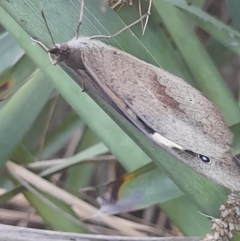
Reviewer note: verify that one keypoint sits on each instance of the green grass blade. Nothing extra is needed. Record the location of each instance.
(20, 112)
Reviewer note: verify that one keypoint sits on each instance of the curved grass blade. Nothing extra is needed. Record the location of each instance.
(218, 30)
(10, 52)
(136, 190)
(23, 107)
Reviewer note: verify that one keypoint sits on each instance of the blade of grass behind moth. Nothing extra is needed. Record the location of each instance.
(136, 190)
(32, 138)
(86, 210)
(44, 164)
(12, 233)
(186, 217)
(218, 30)
(94, 150)
(79, 176)
(196, 3)
(219, 53)
(187, 220)
(57, 137)
(45, 127)
(49, 207)
(201, 66)
(133, 182)
(98, 149)
(18, 108)
(9, 51)
(227, 37)
(146, 186)
(22, 155)
(233, 7)
(13, 78)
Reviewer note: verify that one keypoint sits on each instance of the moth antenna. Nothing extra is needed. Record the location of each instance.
(80, 19)
(123, 29)
(149, 13)
(140, 12)
(34, 74)
(45, 21)
(35, 40)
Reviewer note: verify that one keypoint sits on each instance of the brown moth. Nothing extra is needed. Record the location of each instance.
(164, 107)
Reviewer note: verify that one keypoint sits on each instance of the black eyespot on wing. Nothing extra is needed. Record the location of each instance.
(205, 159)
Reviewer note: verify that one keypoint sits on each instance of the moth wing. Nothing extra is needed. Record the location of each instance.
(164, 102)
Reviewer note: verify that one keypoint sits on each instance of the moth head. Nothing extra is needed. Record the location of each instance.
(59, 53)
(56, 54)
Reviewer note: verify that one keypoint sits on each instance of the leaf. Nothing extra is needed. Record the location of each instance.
(218, 30)
(22, 155)
(233, 7)
(84, 209)
(79, 176)
(10, 52)
(136, 190)
(20, 112)
(56, 138)
(97, 149)
(12, 79)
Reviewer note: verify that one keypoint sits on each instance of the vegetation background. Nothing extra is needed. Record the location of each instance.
(55, 140)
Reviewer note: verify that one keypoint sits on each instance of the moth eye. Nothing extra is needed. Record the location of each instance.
(63, 47)
(205, 159)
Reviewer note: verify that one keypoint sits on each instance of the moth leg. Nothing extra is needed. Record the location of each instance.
(229, 221)
(147, 17)
(83, 86)
(140, 13)
(123, 29)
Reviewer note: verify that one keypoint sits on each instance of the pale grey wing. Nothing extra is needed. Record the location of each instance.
(92, 81)
(164, 102)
